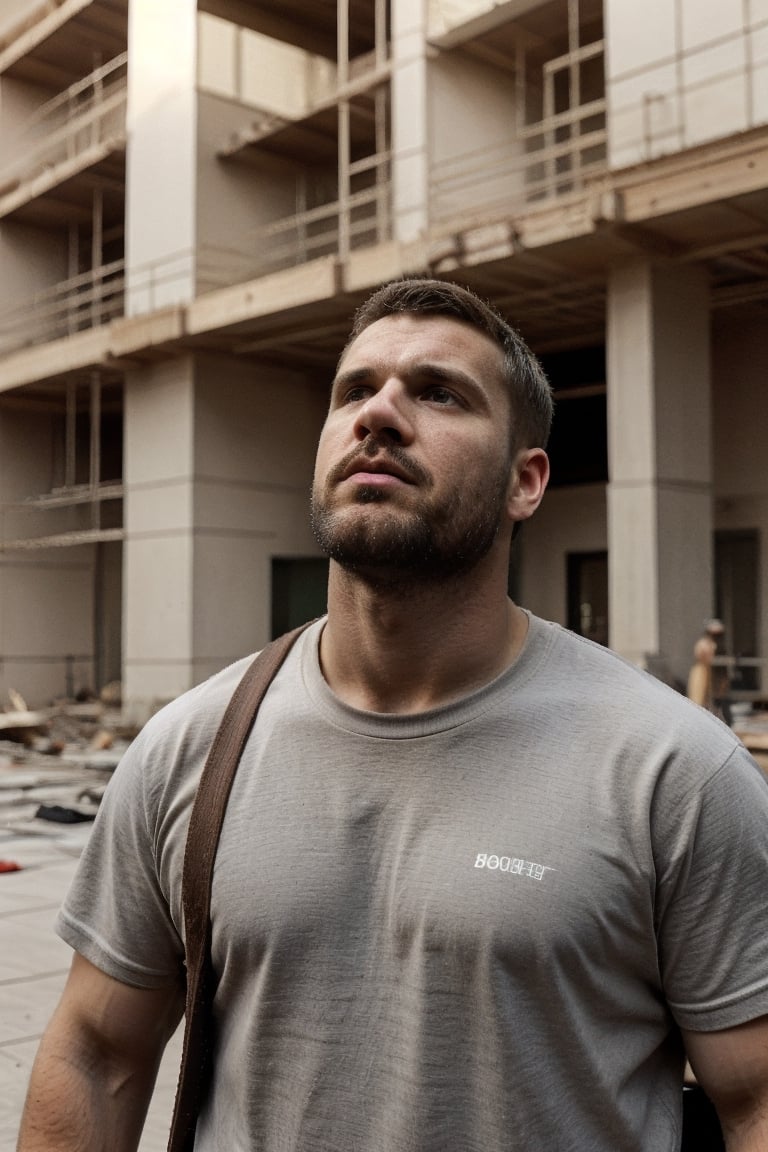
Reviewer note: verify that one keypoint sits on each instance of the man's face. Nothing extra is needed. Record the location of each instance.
(414, 460)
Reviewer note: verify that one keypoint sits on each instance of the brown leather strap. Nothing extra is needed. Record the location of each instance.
(200, 853)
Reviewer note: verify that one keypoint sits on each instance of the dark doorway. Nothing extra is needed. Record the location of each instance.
(587, 583)
(737, 580)
(299, 591)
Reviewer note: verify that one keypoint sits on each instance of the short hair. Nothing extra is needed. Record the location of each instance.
(527, 386)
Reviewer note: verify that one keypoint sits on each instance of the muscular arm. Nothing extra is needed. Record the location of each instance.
(732, 1068)
(96, 1066)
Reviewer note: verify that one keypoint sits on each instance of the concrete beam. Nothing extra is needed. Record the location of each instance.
(59, 357)
(277, 292)
(131, 337)
(63, 540)
(368, 267)
(694, 177)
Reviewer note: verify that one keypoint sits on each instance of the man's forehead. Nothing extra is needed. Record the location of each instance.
(403, 330)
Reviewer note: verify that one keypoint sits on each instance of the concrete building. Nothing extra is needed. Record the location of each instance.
(193, 198)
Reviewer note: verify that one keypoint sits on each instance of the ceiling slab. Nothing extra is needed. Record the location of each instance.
(307, 24)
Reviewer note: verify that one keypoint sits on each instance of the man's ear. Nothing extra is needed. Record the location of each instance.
(527, 483)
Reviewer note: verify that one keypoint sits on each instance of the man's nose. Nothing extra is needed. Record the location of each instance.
(385, 413)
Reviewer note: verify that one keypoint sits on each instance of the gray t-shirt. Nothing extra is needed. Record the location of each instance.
(475, 928)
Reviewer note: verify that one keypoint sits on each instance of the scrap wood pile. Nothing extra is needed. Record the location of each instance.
(55, 763)
(49, 730)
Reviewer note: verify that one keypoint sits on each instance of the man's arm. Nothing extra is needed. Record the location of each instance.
(96, 1066)
(732, 1068)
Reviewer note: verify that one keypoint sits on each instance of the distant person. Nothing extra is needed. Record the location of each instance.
(699, 688)
(708, 683)
(482, 884)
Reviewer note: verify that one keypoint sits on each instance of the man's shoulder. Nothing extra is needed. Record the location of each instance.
(599, 679)
(199, 708)
(572, 653)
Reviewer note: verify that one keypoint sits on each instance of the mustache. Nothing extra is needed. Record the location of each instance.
(383, 451)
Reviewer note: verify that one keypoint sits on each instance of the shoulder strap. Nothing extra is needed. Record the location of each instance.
(199, 855)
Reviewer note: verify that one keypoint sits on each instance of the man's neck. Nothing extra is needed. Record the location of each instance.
(406, 650)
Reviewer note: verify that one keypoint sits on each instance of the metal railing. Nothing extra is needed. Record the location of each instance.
(96, 297)
(514, 174)
(550, 156)
(84, 301)
(89, 113)
(364, 218)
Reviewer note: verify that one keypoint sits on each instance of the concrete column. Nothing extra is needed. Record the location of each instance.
(161, 154)
(159, 540)
(218, 465)
(410, 128)
(660, 516)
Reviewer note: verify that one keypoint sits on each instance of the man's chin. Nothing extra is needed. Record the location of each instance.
(369, 527)
(384, 551)
(385, 544)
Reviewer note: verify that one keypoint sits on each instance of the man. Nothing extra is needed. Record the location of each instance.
(708, 685)
(721, 679)
(481, 885)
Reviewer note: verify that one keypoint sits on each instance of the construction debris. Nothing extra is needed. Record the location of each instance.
(18, 703)
(112, 694)
(55, 764)
(58, 814)
(102, 740)
(20, 725)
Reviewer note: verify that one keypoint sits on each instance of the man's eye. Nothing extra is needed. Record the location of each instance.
(355, 395)
(439, 395)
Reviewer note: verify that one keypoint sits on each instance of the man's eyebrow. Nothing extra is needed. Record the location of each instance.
(442, 373)
(446, 374)
(352, 376)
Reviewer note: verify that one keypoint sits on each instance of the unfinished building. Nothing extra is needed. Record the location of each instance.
(194, 197)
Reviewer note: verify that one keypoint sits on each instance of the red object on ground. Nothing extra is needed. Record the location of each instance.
(9, 866)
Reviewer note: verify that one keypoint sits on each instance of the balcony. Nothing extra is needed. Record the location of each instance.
(549, 136)
(84, 301)
(78, 130)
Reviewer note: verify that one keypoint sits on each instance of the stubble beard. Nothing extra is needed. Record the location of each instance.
(391, 545)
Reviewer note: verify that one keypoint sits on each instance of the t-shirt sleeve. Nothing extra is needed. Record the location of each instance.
(711, 893)
(116, 913)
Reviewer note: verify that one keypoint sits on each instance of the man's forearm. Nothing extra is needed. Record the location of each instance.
(77, 1102)
(750, 1134)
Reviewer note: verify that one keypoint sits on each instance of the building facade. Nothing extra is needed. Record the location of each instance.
(195, 196)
